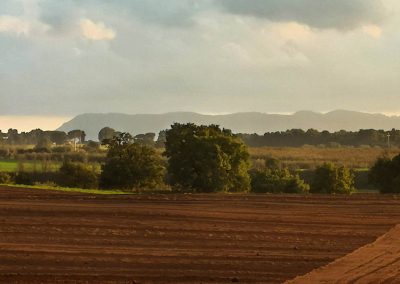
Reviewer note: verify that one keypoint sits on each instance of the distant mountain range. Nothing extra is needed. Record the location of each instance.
(248, 122)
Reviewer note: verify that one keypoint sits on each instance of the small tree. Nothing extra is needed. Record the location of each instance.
(43, 144)
(331, 179)
(385, 174)
(145, 139)
(4, 178)
(106, 133)
(76, 175)
(131, 165)
(77, 134)
(206, 159)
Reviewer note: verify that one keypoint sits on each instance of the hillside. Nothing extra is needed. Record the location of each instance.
(250, 122)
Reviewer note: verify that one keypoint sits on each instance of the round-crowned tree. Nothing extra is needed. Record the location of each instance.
(385, 174)
(131, 165)
(331, 179)
(206, 159)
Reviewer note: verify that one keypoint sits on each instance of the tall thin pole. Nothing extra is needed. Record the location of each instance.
(388, 140)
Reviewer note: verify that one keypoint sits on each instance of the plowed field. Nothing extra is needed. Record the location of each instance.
(375, 263)
(54, 237)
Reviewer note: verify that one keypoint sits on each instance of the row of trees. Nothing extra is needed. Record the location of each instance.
(289, 138)
(299, 137)
(41, 138)
(207, 159)
(210, 159)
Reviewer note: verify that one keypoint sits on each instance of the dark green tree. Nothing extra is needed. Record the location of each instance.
(43, 144)
(277, 181)
(77, 134)
(77, 175)
(145, 139)
(385, 174)
(58, 137)
(106, 133)
(160, 143)
(331, 179)
(131, 165)
(206, 159)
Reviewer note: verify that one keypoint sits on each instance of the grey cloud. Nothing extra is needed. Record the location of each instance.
(58, 14)
(172, 13)
(11, 7)
(337, 14)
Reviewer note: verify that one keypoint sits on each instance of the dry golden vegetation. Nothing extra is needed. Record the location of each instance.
(309, 157)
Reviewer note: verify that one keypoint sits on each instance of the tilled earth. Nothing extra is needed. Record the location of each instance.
(54, 237)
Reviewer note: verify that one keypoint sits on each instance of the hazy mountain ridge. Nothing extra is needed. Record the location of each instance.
(246, 122)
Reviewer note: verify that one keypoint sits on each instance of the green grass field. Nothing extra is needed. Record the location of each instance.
(8, 166)
(67, 189)
(29, 166)
(11, 166)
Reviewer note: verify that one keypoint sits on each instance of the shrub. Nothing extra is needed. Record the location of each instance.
(277, 181)
(76, 175)
(4, 178)
(23, 178)
(331, 179)
(61, 149)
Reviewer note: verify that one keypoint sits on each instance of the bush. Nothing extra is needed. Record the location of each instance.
(385, 174)
(331, 179)
(61, 149)
(23, 178)
(277, 181)
(4, 178)
(206, 159)
(131, 165)
(76, 175)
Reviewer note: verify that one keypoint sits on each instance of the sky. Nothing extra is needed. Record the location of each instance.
(59, 59)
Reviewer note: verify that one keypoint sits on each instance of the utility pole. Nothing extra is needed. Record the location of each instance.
(388, 140)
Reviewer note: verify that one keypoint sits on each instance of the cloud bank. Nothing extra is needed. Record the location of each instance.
(324, 14)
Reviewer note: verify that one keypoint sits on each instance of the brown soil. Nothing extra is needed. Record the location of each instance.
(53, 237)
(374, 263)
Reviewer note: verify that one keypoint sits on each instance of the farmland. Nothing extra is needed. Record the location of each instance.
(306, 157)
(71, 237)
(309, 156)
(30, 166)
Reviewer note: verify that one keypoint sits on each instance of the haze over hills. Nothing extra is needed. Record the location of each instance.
(248, 122)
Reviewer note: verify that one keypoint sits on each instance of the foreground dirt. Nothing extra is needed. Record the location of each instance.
(53, 237)
(375, 263)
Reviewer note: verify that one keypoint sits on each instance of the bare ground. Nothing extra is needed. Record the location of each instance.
(378, 262)
(54, 237)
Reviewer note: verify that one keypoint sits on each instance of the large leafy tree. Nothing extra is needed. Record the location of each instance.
(206, 159)
(131, 165)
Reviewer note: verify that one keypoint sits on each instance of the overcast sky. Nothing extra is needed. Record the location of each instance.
(62, 58)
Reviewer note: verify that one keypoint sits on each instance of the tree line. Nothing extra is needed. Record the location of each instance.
(195, 159)
(288, 138)
(299, 137)
(205, 159)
